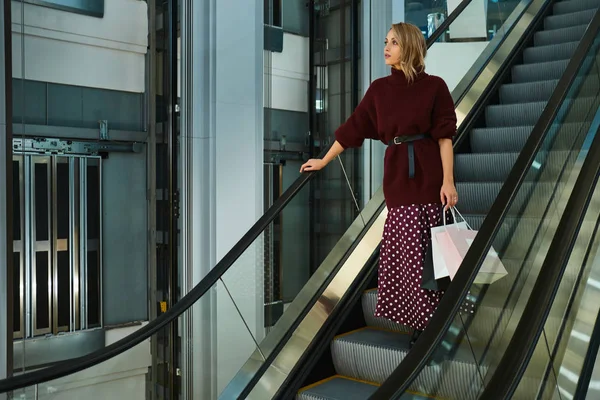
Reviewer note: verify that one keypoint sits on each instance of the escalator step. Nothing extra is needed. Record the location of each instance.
(483, 167)
(369, 300)
(539, 71)
(372, 354)
(540, 54)
(568, 20)
(512, 139)
(513, 93)
(498, 140)
(566, 7)
(337, 387)
(562, 35)
(343, 388)
(369, 354)
(504, 115)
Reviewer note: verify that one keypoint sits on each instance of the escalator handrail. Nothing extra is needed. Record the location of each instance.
(71, 366)
(431, 338)
(513, 363)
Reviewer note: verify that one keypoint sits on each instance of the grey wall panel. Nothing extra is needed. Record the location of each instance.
(125, 237)
(42, 103)
(295, 17)
(122, 110)
(64, 105)
(29, 102)
(292, 124)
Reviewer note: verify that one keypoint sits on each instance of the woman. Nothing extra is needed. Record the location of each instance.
(413, 113)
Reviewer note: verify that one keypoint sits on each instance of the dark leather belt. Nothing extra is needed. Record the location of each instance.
(409, 139)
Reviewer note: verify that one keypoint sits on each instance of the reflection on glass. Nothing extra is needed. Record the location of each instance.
(490, 17)
(557, 366)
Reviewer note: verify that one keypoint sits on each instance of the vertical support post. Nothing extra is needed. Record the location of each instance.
(312, 130)
(354, 100)
(6, 217)
(151, 184)
(173, 190)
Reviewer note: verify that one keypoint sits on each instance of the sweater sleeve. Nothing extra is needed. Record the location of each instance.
(444, 116)
(361, 125)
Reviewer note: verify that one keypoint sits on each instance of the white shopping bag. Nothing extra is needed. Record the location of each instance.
(444, 256)
(454, 241)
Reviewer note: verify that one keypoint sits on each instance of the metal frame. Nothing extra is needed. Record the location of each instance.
(58, 245)
(77, 244)
(40, 246)
(82, 248)
(19, 247)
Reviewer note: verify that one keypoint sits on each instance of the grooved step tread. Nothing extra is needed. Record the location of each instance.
(340, 387)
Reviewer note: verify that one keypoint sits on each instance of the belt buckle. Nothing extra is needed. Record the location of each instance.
(399, 139)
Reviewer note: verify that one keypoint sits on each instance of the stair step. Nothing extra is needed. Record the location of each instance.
(539, 71)
(568, 20)
(567, 7)
(483, 167)
(499, 140)
(504, 115)
(539, 54)
(373, 354)
(337, 387)
(557, 36)
(514, 93)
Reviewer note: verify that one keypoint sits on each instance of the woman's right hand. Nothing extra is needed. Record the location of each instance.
(314, 164)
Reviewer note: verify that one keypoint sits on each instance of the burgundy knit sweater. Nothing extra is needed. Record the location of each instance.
(391, 107)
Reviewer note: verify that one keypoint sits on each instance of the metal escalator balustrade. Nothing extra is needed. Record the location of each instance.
(365, 358)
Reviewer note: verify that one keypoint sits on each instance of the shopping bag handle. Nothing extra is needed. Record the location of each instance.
(454, 211)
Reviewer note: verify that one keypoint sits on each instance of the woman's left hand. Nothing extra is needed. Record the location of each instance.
(448, 195)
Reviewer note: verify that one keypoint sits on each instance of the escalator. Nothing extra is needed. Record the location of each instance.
(361, 359)
(514, 160)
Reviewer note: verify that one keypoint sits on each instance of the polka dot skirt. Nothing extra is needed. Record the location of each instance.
(406, 235)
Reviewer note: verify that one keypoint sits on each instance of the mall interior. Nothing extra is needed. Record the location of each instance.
(158, 241)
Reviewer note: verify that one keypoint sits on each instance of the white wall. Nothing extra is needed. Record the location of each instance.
(286, 75)
(73, 49)
(121, 377)
(452, 61)
(222, 190)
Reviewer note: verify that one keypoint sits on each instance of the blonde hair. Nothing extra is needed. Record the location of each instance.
(413, 49)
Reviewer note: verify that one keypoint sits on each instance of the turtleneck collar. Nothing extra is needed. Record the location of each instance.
(398, 77)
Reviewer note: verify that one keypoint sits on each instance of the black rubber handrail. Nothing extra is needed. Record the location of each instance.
(401, 378)
(514, 362)
(589, 363)
(74, 365)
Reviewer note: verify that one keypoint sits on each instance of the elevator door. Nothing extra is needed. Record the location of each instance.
(57, 249)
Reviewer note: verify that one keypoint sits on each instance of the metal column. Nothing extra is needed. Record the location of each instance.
(6, 219)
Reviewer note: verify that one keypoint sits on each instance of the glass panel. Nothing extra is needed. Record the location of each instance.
(467, 45)
(560, 353)
(288, 243)
(521, 243)
(488, 17)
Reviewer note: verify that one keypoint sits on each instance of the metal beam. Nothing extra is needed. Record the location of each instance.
(6, 217)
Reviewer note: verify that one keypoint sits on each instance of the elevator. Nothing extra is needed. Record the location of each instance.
(57, 244)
